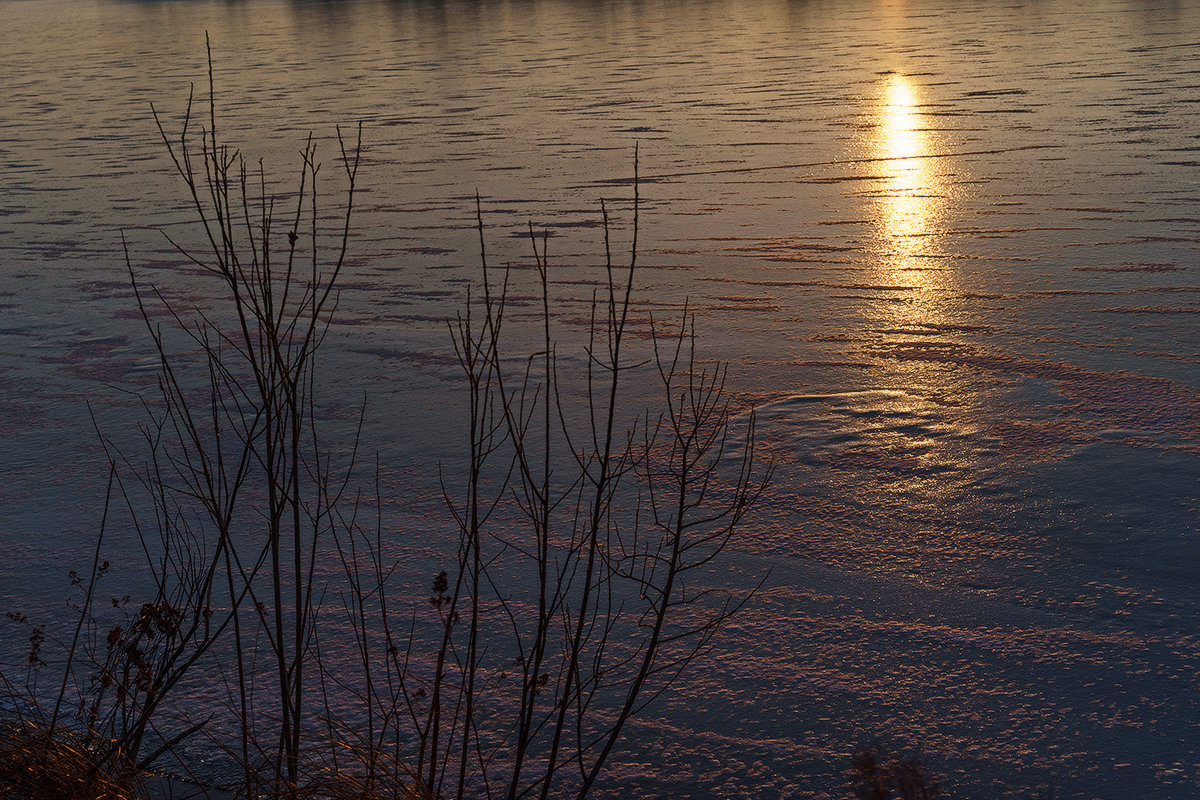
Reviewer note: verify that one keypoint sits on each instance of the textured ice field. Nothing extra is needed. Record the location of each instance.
(949, 249)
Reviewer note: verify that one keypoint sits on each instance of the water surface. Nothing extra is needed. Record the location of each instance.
(948, 248)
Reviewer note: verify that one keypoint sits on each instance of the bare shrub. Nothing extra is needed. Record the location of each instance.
(576, 595)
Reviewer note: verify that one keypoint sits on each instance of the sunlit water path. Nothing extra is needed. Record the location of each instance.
(949, 248)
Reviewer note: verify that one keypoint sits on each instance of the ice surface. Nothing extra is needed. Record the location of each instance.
(949, 249)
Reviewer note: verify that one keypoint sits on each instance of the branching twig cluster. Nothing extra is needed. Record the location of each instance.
(584, 521)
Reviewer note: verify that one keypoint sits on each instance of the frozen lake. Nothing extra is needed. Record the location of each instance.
(950, 250)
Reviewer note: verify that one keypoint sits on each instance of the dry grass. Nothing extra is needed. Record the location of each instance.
(879, 774)
(38, 765)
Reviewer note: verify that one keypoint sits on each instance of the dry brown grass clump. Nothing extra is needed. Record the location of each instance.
(38, 765)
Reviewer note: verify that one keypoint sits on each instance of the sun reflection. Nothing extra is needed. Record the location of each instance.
(912, 197)
(932, 456)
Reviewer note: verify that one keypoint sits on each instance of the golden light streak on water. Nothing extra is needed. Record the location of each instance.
(917, 277)
(912, 198)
